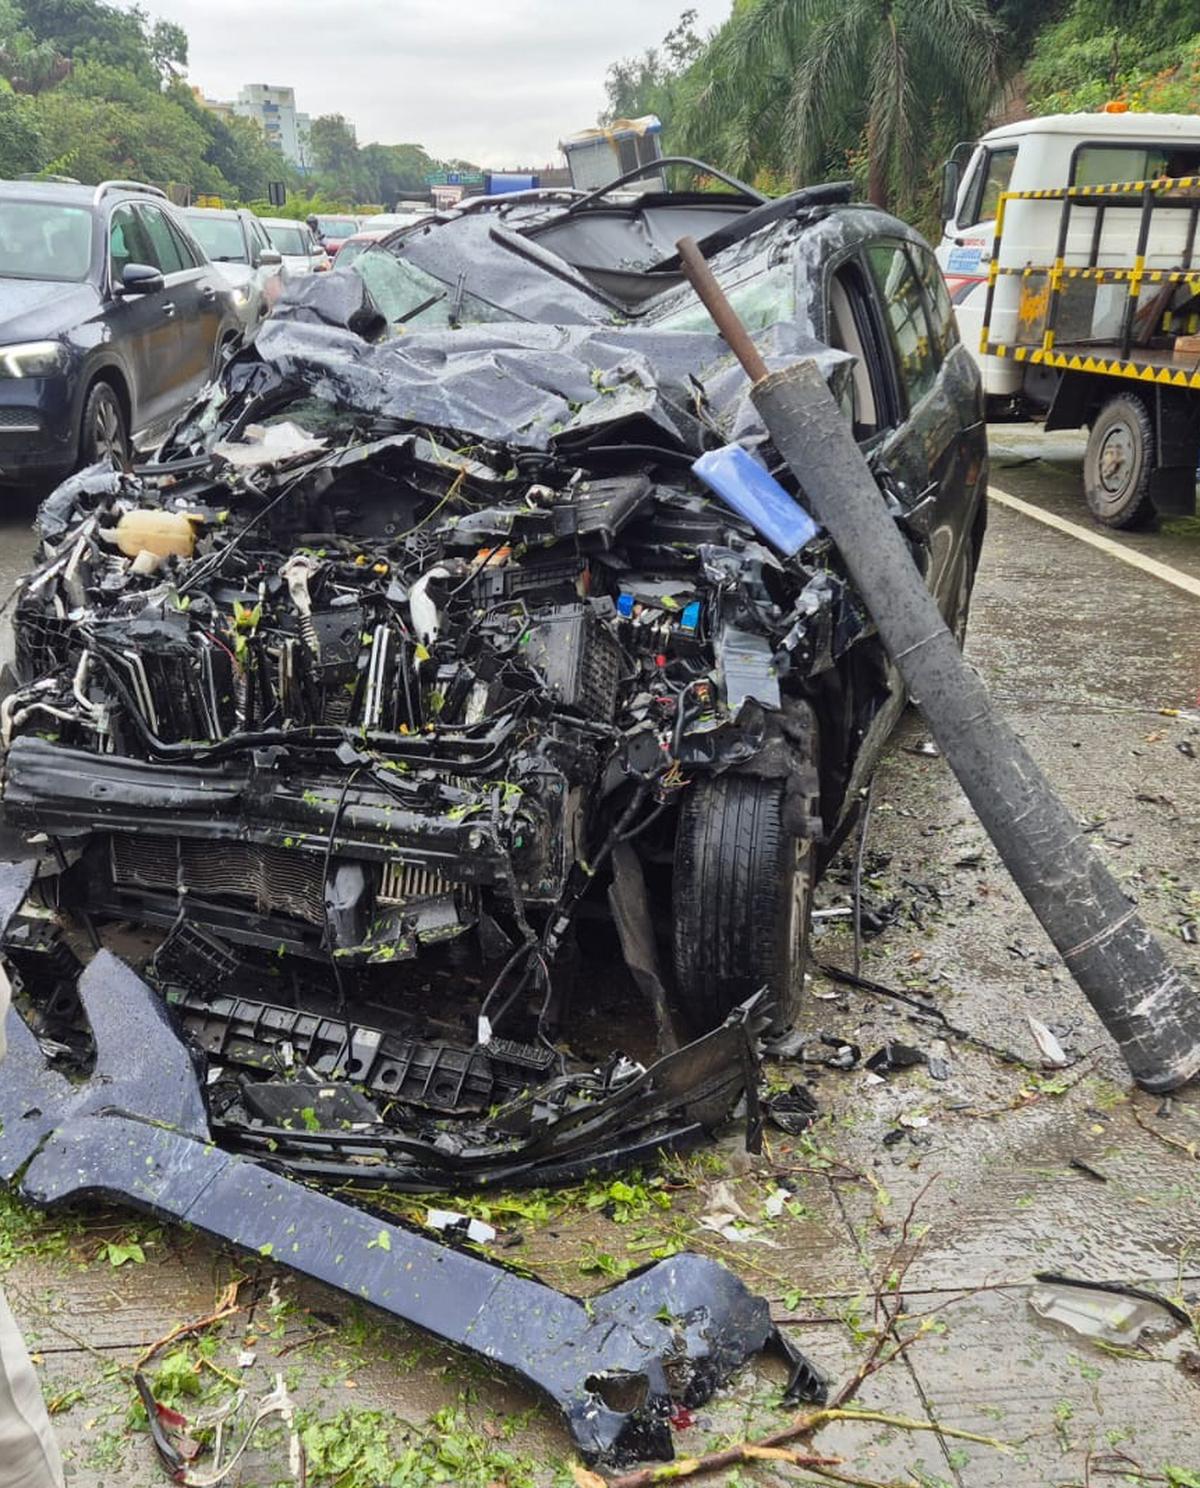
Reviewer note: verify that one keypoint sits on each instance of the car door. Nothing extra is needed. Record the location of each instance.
(196, 311)
(143, 326)
(936, 447)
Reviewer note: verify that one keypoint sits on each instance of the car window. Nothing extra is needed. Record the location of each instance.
(293, 240)
(937, 297)
(220, 237)
(864, 397)
(1099, 165)
(41, 240)
(126, 241)
(337, 227)
(191, 255)
(904, 311)
(258, 235)
(165, 254)
(350, 251)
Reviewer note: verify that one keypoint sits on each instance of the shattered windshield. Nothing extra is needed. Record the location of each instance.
(410, 295)
(761, 300)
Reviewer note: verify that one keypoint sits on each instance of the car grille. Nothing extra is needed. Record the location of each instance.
(405, 883)
(20, 421)
(287, 881)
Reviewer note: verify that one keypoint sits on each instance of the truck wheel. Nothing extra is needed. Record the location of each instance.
(1119, 462)
(742, 896)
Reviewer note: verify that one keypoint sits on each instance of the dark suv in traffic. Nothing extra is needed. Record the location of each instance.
(111, 319)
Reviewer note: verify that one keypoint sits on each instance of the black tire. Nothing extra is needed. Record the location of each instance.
(1119, 463)
(104, 432)
(742, 897)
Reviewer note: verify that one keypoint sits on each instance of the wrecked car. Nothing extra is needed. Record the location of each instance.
(421, 679)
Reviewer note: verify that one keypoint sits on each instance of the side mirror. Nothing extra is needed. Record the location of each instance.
(269, 258)
(951, 179)
(139, 279)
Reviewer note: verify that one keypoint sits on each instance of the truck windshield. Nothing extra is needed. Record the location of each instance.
(991, 178)
(39, 240)
(220, 237)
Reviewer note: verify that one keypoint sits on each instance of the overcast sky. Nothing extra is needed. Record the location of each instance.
(495, 81)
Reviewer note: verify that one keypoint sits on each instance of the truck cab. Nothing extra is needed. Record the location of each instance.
(1058, 150)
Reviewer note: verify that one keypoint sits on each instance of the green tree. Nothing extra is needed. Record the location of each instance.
(388, 172)
(91, 31)
(335, 148)
(22, 147)
(647, 84)
(168, 47)
(104, 122)
(801, 85)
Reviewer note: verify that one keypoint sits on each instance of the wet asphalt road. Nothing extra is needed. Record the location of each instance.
(1082, 653)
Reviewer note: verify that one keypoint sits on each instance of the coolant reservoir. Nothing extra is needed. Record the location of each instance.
(163, 533)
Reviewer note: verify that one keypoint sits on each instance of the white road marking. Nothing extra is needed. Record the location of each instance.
(1173, 576)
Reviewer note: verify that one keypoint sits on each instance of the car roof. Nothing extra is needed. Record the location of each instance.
(231, 214)
(73, 194)
(282, 222)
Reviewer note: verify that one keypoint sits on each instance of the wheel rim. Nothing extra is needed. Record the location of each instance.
(1115, 466)
(108, 442)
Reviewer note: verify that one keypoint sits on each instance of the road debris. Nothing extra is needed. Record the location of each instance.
(141, 1137)
(1107, 1311)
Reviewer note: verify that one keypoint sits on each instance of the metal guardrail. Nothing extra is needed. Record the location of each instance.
(1118, 357)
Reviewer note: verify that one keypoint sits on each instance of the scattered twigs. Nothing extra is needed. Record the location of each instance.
(769, 1447)
(227, 1305)
(1191, 1149)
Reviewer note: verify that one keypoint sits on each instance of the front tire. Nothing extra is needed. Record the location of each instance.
(1119, 463)
(742, 898)
(104, 435)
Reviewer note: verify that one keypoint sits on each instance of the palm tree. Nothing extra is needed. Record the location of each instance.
(813, 79)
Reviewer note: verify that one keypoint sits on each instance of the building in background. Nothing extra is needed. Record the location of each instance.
(274, 110)
(218, 106)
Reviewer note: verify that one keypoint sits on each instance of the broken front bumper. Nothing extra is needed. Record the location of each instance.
(268, 854)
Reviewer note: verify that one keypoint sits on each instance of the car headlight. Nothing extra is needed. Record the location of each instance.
(241, 297)
(33, 359)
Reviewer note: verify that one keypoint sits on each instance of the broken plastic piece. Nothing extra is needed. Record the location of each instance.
(1108, 1312)
(792, 1110)
(450, 1222)
(894, 1056)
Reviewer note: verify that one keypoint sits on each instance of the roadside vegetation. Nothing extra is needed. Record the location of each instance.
(97, 91)
(879, 91)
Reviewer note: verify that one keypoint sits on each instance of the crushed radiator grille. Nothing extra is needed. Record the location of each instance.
(405, 883)
(274, 878)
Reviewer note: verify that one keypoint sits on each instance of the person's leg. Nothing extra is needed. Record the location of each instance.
(28, 1452)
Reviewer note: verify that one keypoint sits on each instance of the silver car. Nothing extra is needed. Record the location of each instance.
(237, 242)
(302, 254)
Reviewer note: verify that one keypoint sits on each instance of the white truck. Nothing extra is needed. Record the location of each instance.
(1068, 249)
